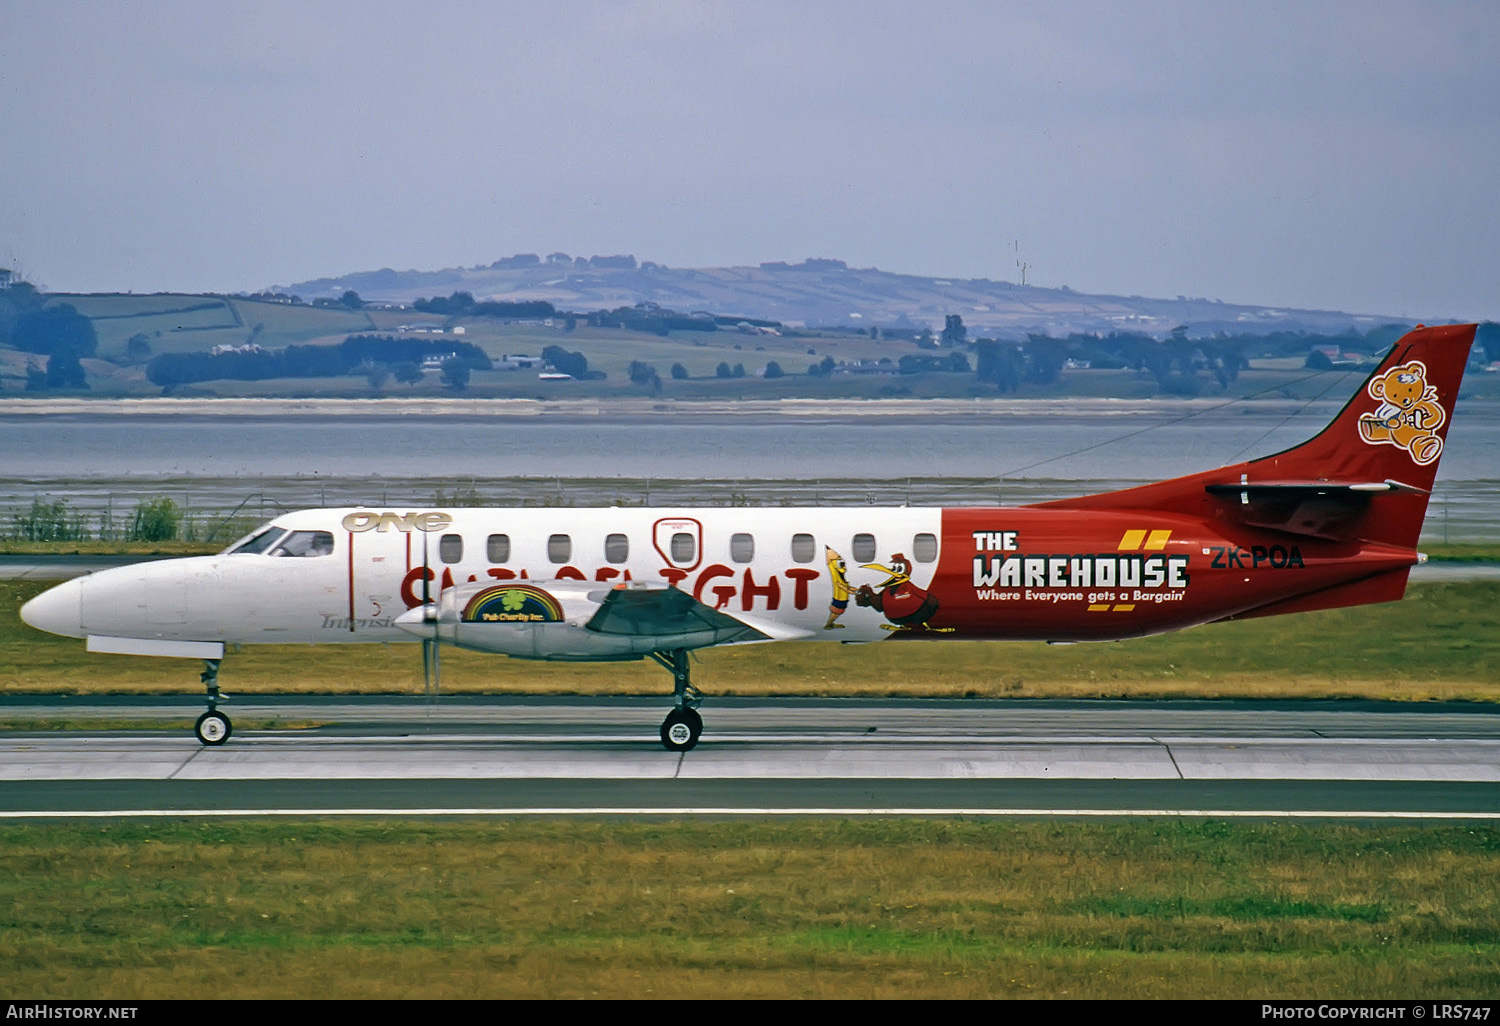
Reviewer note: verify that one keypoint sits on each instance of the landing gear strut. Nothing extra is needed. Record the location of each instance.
(213, 727)
(683, 726)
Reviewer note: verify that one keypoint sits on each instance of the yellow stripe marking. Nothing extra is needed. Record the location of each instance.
(1125, 608)
(1157, 541)
(1131, 540)
(1099, 607)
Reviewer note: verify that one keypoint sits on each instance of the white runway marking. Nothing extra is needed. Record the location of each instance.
(751, 811)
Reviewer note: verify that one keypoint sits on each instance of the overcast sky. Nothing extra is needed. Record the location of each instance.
(1334, 155)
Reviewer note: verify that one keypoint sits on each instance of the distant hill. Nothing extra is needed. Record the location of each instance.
(827, 293)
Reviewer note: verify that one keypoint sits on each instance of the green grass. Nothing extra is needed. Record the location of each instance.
(282, 324)
(18, 547)
(1441, 643)
(872, 909)
(1458, 552)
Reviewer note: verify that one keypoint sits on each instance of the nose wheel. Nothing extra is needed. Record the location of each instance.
(213, 727)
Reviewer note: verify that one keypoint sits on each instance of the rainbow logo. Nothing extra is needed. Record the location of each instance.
(513, 603)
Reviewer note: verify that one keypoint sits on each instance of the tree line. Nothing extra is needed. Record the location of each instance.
(357, 354)
(648, 317)
(1180, 365)
(463, 304)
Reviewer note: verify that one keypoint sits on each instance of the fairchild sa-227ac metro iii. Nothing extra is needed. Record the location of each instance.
(1331, 522)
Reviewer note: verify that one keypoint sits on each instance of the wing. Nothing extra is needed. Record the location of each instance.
(655, 611)
(580, 621)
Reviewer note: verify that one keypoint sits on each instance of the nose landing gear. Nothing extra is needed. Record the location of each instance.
(213, 727)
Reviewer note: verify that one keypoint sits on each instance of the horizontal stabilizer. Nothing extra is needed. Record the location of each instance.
(1319, 509)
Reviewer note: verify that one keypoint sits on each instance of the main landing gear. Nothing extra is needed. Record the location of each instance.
(683, 726)
(213, 727)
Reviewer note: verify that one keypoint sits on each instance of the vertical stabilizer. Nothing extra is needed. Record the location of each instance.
(1395, 426)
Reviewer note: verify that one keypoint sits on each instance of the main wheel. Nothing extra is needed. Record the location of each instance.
(681, 729)
(213, 728)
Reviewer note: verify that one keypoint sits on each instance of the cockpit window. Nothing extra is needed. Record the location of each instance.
(258, 542)
(306, 544)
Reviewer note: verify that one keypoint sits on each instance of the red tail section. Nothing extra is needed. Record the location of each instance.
(1365, 476)
(1395, 426)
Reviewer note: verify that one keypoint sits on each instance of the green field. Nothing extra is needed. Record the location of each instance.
(1441, 643)
(190, 323)
(822, 909)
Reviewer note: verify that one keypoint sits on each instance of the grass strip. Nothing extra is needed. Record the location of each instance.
(16, 547)
(765, 909)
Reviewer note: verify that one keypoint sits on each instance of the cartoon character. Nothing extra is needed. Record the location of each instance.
(1408, 416)
(903, 603)
(836, 572)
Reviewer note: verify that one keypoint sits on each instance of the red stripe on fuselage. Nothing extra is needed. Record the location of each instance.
(351, 581)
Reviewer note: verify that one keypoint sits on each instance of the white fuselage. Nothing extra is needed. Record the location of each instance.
(770, 564)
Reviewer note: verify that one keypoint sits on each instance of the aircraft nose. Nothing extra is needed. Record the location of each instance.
(57, 610)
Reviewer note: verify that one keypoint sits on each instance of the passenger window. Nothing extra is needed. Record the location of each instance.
(559, 548)
(742, 548)
(616, 548)
(803, 548)
(497, 548)
(863, 547)
(451, 548)
(683, 549)
(306, 544)
(924, 547)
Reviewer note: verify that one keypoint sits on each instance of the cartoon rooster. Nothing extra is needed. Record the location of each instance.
(903, 603)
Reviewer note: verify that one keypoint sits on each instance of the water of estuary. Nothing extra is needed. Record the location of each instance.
(262, 465)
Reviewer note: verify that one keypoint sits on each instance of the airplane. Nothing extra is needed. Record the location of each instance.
(1331, 522)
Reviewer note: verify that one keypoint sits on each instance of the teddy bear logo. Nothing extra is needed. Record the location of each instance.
(1409, 413)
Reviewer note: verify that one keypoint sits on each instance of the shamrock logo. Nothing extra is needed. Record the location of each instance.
(513, 600)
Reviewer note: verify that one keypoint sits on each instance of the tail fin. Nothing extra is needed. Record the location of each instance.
(1367, 475)
(1395, 426)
